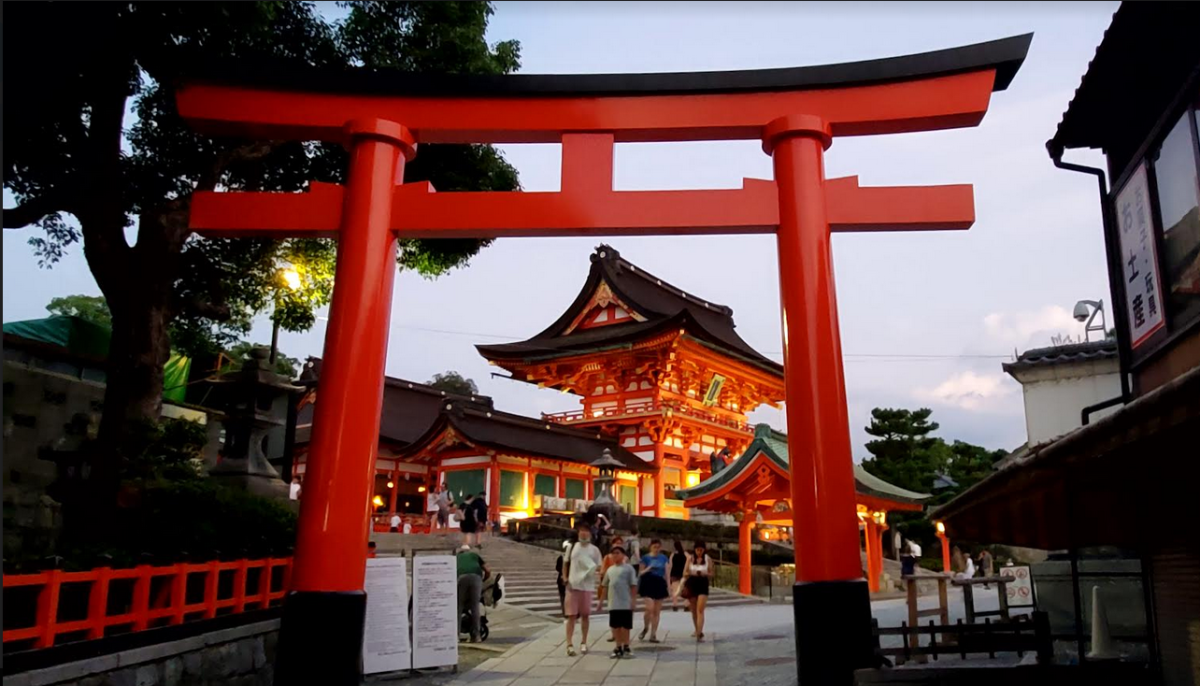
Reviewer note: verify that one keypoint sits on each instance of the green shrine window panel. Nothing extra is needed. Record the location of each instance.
(464, 484)
(576, 488)
(545, 484)
(627, 496)
(512, 489)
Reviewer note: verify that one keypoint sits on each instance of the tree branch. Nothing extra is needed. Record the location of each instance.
(34, 209)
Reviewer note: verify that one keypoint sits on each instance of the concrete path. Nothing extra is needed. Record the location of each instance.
(678, 660)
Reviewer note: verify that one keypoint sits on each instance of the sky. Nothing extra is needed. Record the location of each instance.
(926, 319)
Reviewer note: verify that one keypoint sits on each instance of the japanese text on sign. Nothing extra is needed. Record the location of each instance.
(1143, 301)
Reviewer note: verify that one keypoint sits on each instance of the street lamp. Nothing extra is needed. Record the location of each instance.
(941, 534)
(1086, 311)
(291, 279)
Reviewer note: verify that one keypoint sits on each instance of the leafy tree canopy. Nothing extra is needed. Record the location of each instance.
(903, 452)
(453, 382)
(84, 172)
(92, 308)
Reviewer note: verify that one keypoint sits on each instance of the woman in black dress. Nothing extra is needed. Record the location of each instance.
(696, 573)
(678, 560)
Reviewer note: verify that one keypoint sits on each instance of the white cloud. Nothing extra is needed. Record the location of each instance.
(968, 390)
(1029, 328)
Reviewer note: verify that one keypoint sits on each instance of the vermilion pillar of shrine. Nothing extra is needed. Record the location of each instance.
(327, 577)
(745, 560)
(831, 602)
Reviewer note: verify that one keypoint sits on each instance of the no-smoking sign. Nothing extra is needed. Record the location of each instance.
(1020, 589)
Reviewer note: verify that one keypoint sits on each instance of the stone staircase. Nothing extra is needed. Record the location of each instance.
(528, 570)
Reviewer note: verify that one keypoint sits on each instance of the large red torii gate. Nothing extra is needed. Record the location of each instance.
(381, 117)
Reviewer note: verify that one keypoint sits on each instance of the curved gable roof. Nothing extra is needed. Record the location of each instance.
(663, 306)
(773, 445)
(505, 431)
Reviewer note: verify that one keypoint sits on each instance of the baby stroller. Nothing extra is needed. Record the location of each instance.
(493, 591)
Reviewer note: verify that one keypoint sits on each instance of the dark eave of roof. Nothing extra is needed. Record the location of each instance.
(1063, 354)
(1147, 54)
(773, 444)
(665, 306)
(1176, 403)
(1005, 56)
(525, 435)
(409, 408)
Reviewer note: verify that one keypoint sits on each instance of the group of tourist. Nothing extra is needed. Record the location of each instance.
(964, 566)
(620, 578)
(471, 514)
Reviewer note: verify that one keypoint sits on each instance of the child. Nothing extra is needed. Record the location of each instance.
(620, 582)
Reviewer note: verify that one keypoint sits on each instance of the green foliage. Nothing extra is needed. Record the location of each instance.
(171, 450)
(903, 452)
(92, 308)
(453, 382)
(239, 353)
(137, 50)
(168, 511)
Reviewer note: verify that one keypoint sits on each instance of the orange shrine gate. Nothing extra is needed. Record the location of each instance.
(381, 117)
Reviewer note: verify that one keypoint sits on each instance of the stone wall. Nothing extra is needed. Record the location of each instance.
(43, 410)
(240, 656)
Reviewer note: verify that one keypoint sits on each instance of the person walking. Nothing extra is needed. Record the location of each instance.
(472, 570)
(608, 562)
(652, 588)
(441, 503)
(619, 583)
(695, 586)
(580, 573)
(481, 515)
(986, 563)
(678, 561)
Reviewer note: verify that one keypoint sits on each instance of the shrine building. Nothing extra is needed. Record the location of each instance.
(660, 370)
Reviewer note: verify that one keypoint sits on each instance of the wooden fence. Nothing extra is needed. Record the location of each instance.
(137, 599)
(1017, 636)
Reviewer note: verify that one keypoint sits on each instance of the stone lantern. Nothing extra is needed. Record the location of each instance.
(255, 407)
(602, 484)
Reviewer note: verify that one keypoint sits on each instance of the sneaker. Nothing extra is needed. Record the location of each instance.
(627, 652)
(654, 639)
(642, 636)
(583, 648)
(570, 650)
(616, 654)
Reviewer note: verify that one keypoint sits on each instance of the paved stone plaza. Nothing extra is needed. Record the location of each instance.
(745, 646)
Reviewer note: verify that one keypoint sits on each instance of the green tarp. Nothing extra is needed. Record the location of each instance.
(81, 337)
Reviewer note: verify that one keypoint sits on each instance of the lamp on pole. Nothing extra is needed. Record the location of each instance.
(291, 279)
(1086, 311)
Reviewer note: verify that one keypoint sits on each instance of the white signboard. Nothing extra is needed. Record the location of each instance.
(435, 611)
(1020, 589)
(1139, 257)
(386, 647)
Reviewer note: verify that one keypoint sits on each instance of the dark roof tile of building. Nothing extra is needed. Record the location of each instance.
(664, 307)
(1064, 354)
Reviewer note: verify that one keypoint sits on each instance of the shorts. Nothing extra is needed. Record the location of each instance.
(579, 603)
(468, 527)
(443, 516)
(696, 586)
(653, 587)
(620, 619)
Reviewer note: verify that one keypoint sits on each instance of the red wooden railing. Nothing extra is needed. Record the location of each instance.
(170, 601)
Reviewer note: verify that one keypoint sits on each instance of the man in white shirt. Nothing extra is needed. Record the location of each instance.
(395, 523)
(581, 573)
(914, 548)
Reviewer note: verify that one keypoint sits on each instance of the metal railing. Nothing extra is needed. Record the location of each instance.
(658, 407)
(140, 598)
(773, 583)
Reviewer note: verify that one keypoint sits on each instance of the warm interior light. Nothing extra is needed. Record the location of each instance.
(941, 528)
(693, 478)
(377, 501)
(420, 489)
(391, 485)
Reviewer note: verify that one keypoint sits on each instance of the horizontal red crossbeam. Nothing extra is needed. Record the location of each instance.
(924, 104)
(419, 212)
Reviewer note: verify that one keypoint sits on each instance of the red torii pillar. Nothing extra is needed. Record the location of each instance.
(795, 112)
